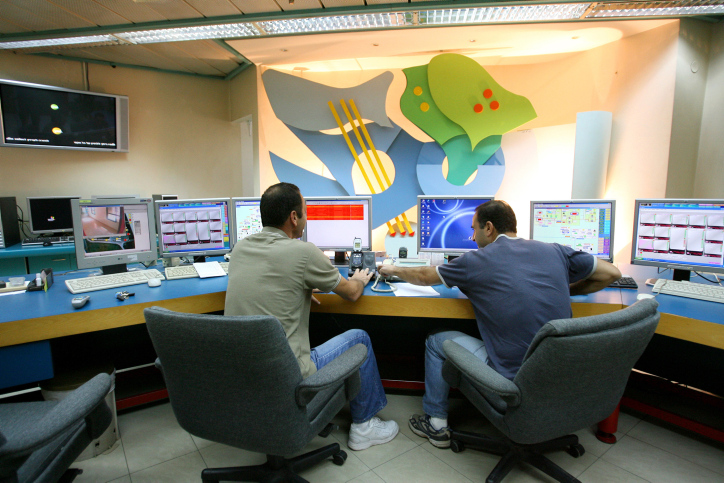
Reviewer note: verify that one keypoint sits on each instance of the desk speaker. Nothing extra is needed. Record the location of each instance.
(9, 231)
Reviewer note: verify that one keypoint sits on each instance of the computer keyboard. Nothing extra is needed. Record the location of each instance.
(53, 240)
(102, 282)
(712, 293)
(188, 271)
(624, 282)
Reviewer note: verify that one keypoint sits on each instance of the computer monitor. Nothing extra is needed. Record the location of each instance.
(445, 223)
(334, 222)
(584, 225)
(681, 234)
(247, 217)
(197, 228)
(50, 214)
(111, 233)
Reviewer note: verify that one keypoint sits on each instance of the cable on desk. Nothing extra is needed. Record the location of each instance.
(381, 290)
(717, 281)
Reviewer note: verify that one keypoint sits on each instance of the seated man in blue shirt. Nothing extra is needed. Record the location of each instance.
(515, 287)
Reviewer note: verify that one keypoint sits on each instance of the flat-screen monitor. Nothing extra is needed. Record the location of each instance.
(111, 233)
(685, 235)
(445, 223)
(584, 225)
(50, 214)
(197, 228)
(247, 217)
(38, 116)
(334, 222)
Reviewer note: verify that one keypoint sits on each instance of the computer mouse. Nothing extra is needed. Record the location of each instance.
(47, 244)
(642, 296)
(154, 282)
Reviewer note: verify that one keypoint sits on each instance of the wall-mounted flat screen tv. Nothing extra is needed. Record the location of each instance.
(38, 116)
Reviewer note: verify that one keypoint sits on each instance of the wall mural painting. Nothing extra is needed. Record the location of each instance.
(452, 99)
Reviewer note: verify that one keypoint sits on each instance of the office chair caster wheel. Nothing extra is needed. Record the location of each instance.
(339, 458)
(576, 450)
(457, 446)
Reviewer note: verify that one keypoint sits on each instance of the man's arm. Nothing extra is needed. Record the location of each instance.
(413, 275)
(351, 289)
(601, 278)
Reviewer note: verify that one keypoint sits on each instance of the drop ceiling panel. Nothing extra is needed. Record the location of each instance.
(173, 53)
(256, 6)
(25, 18)
(135, 12)
(343, 3)
(381, 2)
(211, 53)
(214, 8)
(138, 55)
(91, 11)
(51, 12)
(299, 5)
(10, 28)
(174, 9)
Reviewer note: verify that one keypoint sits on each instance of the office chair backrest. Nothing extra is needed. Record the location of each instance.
(575, 371)
(230, 379)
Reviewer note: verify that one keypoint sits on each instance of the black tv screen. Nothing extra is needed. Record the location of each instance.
(51, 117)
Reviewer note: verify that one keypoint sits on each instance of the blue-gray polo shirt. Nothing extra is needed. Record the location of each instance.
(515, 287)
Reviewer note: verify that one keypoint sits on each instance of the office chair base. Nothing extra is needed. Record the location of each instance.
(277, 468)
(513, 454)
(70, 475)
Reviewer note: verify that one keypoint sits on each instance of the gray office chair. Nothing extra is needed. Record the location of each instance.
(236, 381)
(573, 376)
(40, 440)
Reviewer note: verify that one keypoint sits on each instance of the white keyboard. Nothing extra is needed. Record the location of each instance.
(188, 271)
(712, 293)
(102, 282)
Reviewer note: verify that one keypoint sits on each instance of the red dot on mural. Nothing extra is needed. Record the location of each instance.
(487, 93)
(494, 105)
(478, 108)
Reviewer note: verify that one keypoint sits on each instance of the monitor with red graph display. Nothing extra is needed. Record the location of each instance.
(334, 222)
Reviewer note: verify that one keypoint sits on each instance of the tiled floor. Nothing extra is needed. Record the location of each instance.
(154, 448)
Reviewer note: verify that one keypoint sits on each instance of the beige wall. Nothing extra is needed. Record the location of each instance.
(181, 140)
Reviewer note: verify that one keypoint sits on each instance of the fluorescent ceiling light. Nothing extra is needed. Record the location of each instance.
(514, 13)
(29, 44)
(223, 31)
(340, 22)
(657, 9)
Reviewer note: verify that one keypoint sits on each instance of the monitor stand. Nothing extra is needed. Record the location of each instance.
(340, 259)
(111, 269)
(199, 258)
(681, 275)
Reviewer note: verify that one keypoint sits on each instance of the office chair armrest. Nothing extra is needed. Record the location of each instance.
(336, 372)
(481, 374)
(79, 405)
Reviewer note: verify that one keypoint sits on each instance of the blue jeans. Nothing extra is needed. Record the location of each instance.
(434, 402)
(371, 398)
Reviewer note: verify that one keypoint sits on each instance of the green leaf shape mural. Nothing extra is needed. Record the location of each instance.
(469, 96)
(418, 106)
(463, 161)
(454, 96)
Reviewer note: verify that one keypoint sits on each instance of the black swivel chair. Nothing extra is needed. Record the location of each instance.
(235, 380)
(573, 376)
(40, 440)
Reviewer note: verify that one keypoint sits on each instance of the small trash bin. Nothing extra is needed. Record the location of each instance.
(66, 382)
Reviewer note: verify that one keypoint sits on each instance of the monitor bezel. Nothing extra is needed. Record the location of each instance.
(115, 259)
(582, 201)
(233, 215)
(351, 242)
(200, 253)
(445, 197)
(122, 120)
(670, 265)
(30, 211)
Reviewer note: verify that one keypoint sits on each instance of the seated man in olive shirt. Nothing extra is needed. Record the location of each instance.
(273, 273)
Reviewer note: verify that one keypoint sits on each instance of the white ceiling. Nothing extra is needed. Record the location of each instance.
(489, 45)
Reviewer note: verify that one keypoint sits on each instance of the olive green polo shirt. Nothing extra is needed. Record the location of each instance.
(272, 274)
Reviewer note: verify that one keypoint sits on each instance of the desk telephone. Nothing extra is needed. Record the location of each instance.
(359, 260)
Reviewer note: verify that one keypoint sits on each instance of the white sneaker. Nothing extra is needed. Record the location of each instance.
(369, 433)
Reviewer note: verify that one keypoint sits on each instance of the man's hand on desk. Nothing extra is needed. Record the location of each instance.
(349, 289)
(363, 276)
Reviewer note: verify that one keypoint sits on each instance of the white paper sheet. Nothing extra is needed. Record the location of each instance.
(409, 290)
(209, 269)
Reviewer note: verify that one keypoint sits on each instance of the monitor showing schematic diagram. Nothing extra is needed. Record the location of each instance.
(584, 225)
(247, 217)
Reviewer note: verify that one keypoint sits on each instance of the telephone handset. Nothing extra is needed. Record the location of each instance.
(387, 280)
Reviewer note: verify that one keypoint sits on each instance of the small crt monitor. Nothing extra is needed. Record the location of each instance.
(445, 223)
(50, 214)
(111, 233)
(685, 235)
(247, 217)
(334, 222)
(584, 225)
(197, 228)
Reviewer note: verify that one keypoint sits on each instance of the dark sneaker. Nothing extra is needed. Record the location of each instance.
(420, 425)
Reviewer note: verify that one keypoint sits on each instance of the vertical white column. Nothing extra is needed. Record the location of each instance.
(590, 158)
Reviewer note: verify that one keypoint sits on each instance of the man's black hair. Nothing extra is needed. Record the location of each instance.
(278, 202)
(499, 213)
